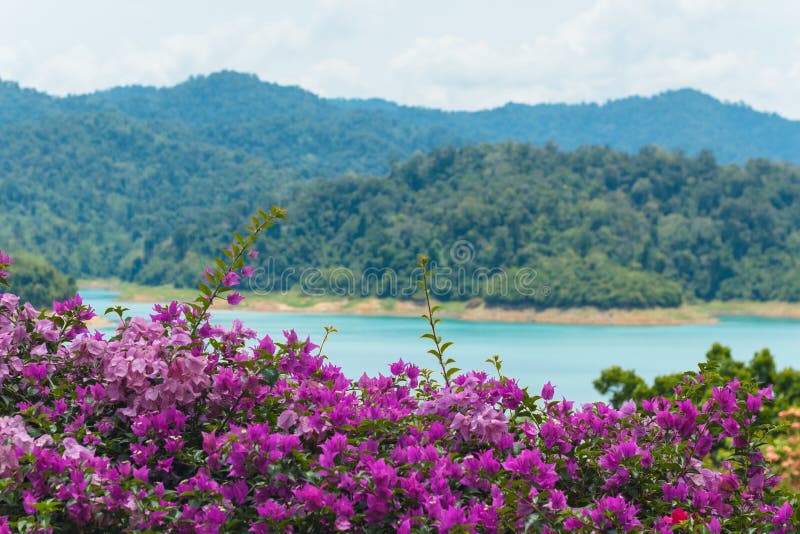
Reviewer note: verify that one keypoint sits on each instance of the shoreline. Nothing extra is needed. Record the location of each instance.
(473, 310)
(373, 307)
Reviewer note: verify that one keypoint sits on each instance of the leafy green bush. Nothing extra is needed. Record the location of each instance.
(38, 282)
(624, 384)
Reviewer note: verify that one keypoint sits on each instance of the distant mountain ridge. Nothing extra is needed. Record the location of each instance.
(146, 183)
(292, 127)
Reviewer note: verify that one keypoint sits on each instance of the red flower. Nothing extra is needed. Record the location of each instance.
(678, 516)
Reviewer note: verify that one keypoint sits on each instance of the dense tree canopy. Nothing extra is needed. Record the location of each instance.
(538, 226)
(144, 183)
(38, 282)
(597, 227)
(96, 193)
(292, 127)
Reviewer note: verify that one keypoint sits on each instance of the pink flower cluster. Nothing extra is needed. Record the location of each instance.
(160, 428)
(149, 368)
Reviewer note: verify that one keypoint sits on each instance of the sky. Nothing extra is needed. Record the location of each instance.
(445, 54)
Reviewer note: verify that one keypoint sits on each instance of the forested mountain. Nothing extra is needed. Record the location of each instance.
(598, 227)
(588, 227)
(94, 193)
(327, 137)
(146, 183)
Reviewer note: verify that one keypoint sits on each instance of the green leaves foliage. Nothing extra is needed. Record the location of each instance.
(38, 282)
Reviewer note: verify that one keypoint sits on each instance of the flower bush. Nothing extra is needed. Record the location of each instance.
(175, 424)
(784, 451)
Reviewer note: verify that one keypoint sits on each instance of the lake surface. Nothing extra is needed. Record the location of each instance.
(569, 356)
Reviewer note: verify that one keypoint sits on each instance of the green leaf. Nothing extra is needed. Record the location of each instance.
(450, 372)
(270, 376)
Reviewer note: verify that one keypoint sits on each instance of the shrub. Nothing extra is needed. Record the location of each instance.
(784, 452)
(38, 282)
(175, 424)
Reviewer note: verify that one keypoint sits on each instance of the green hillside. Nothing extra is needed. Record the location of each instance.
(145, 184)
(590, 227)
(599, 227)
(38, 282)
(293, 127)
(94, 193)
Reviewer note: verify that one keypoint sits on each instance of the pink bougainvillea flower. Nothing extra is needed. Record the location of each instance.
(548, 391)
(234, 298)
(231, 279)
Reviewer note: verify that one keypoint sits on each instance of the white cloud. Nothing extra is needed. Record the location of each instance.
(613, 49)
(8, 55)
(238, 44)
(333, 77)
(705, 8)
(459, 55)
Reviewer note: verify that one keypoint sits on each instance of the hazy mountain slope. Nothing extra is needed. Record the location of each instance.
(293, 127)
(94, 193)
(144, 183)
(23, 105)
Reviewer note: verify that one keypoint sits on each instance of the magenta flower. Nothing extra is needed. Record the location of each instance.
(397, 368)
(230, 279)
(29, 502)
(178, 421)
(558, 500)
(730, 426)
(783, 515)
(267, 345)
(234, 298)
(726, 399)
(753, 403)
(236, 492)
(311, 496)
(287, 419)
(37, 372)
(675, 492)
(548, 391)
(165, 465)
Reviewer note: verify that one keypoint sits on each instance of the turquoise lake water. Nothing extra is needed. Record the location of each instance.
(569, 356)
